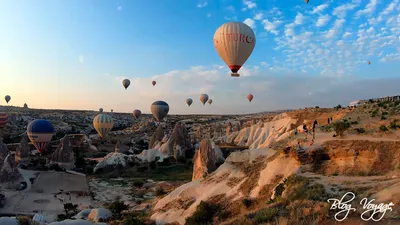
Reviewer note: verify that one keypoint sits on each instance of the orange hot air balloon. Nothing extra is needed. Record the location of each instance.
(153, 82)
(250, 97)
(369, 62)
(234, 42)
(306, 1)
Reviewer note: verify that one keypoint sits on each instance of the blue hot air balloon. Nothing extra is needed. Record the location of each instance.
(40, 133)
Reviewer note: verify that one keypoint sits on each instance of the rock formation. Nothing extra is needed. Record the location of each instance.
(199, 134)
(64, 155)
(181, 142)
(9, 174)
(218, 130)
(2, 199)
(228, 128)
(116, 148)
(206, 159)
(23, 151)
(236, 127)
(3, 152)
(156, 137)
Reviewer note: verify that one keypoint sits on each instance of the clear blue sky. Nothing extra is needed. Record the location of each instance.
(74, 53)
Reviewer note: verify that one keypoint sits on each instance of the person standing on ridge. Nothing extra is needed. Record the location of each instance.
(313, 128)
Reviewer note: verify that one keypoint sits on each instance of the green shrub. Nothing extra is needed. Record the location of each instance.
(266, 215)
(374, 113)
(383, 128)
(247, 202)
(340, 127)
(117, 207)
(204, 214)
(360, 130)
(393, 125)
(383, 118)
(132, 220)
(354, 122)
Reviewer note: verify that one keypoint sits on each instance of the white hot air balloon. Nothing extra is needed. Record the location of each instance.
(234, 42)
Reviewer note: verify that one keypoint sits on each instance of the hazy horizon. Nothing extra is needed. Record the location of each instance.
(74, 54)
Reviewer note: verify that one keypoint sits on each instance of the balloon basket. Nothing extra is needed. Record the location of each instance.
(235, 75)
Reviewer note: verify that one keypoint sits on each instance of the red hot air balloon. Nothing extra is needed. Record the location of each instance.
(3, 119)
(250, 97)
(154, 83)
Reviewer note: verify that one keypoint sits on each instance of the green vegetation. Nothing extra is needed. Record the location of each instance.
(340, 127)
(117, 207)
(394, 125)
(360, 130)
(383, 128)
(375, 113)
(266, 215)
(204, 214)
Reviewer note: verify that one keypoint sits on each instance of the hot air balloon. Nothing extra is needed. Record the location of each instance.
(103, 123)
(40, 132)
(306, 1)
(159, 109)
(126, 83)
(369, 62)
(3, 119)
(234, 42)
(112, 110)
(101, 110)
(209, 101)
(250, 97)
(203, 98)
(7, 98)
(153, 82)
(189, 101)
(137, 113)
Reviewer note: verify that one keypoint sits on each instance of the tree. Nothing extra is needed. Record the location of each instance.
(340, 127)
(338, 107)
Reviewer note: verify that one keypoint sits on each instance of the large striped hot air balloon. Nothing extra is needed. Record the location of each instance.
(7, 98)
(159, 109)
(137, 113)
(234, 42)
(203, 98)
(103, 124)
(3, 119)
(40, 133)
(189, 101)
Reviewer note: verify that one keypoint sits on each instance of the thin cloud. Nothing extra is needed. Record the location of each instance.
(202, 4)
(81, 59)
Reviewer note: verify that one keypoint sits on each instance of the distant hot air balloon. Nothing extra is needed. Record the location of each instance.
(103, 124)
(7, 98)
(3, 119)
(126, 83)
(101, 110)
(137, 113)
(112, 110)
(210, 101)
(234, 42)
(159, 109)
(153, 82)
(189, 101)
(369, 62)
(203, 98)
(306, 1)
(40, 133)
(250, 97)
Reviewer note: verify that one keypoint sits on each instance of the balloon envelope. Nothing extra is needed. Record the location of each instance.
(103, 124)
(153, 82)
(3, 119)
(234, 42)
(40, 133)
(137, 113)
(159, 109)
(250, 97)
(189, 101)
(203, 98)
(101, 110)
(126, 83)
(210, 101)
(7, 98)
(306, 1)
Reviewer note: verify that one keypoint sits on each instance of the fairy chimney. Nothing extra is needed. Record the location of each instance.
(63, 156)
